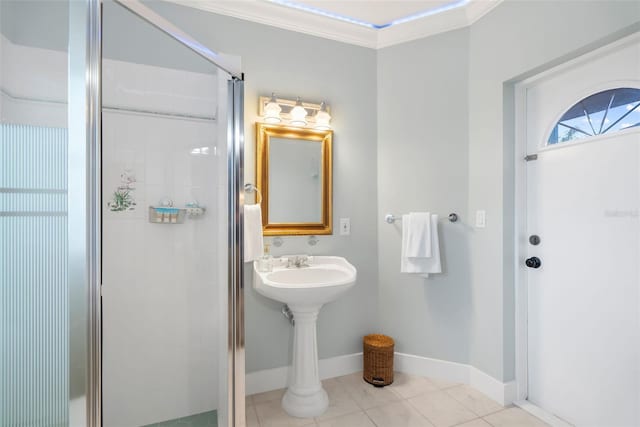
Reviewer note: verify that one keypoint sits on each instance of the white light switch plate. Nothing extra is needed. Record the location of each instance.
(481, 219)
(345, 226)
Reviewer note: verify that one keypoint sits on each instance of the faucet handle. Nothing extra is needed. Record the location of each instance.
(304, 260)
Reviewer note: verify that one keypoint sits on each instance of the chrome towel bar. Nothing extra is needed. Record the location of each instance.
(390, 218)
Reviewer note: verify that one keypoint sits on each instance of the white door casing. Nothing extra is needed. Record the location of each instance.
(578, 352)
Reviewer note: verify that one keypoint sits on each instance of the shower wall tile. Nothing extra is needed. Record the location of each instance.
(160, 281)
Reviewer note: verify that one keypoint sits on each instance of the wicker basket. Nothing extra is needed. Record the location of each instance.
(378, 359)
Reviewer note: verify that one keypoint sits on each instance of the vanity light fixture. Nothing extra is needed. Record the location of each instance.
(298, 114)
(294, 112)
(322, 118)
(272, 111)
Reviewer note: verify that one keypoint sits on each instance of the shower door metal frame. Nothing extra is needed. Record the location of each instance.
(84, 203)
(235, 171)
(85, 206)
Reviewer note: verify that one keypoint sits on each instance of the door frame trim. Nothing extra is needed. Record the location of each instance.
(520, 201)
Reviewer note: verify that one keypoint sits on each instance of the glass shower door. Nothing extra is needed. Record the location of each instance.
(34, 321)
(165, 229)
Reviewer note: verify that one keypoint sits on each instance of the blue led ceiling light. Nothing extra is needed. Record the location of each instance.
(429, 12)
(321, 12)
(361, 23)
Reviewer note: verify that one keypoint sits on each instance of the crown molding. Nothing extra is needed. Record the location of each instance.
(286, 18)
(279, 16)
(437, 23)
(420, 28)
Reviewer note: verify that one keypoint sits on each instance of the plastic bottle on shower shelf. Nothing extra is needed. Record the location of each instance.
(265, 262)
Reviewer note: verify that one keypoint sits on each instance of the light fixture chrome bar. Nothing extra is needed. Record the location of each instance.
(176, 33)
(287, 105)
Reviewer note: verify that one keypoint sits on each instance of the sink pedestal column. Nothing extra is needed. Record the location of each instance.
(305, 396)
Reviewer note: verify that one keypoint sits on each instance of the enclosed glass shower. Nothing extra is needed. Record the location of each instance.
(120, 220)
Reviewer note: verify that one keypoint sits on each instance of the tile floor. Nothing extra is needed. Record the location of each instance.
(410, 401)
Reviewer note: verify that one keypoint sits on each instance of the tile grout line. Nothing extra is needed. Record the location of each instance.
(468, 421)
(418, 411)
(370, 419)
(504, 408)
(471, 409)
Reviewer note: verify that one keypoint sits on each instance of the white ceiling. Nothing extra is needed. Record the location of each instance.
(333, 19)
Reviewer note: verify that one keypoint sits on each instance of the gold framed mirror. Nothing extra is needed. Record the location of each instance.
(294, 176)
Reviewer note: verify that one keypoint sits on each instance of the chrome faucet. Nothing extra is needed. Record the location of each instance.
(298, 261)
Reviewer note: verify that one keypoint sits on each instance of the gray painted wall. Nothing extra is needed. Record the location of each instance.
(422, 166)
(38, 23)
(345, 76)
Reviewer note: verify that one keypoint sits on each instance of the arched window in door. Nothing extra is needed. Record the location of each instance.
(603, 112)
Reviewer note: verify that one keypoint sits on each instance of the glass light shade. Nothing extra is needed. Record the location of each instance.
(272, 111)
(298, 114)
(323, 118)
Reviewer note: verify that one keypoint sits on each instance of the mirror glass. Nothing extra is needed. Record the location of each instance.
(295, 180)
(293, 175)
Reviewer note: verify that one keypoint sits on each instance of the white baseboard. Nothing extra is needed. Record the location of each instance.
(340, 365)
(503, 393)
(273, 379)
(545, 416)
(266, 380)
(434, 368)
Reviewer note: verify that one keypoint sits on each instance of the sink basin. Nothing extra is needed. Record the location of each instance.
(305, 290)
(324, 280)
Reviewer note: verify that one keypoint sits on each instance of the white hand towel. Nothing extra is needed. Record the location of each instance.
(253, 243)
(418, 242)
(421, 265)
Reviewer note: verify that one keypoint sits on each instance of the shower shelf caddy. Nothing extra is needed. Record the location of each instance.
(173, 215)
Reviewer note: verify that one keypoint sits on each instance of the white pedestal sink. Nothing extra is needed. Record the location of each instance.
(305, 290)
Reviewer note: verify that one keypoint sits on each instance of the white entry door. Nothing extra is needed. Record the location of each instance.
(583, 239)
